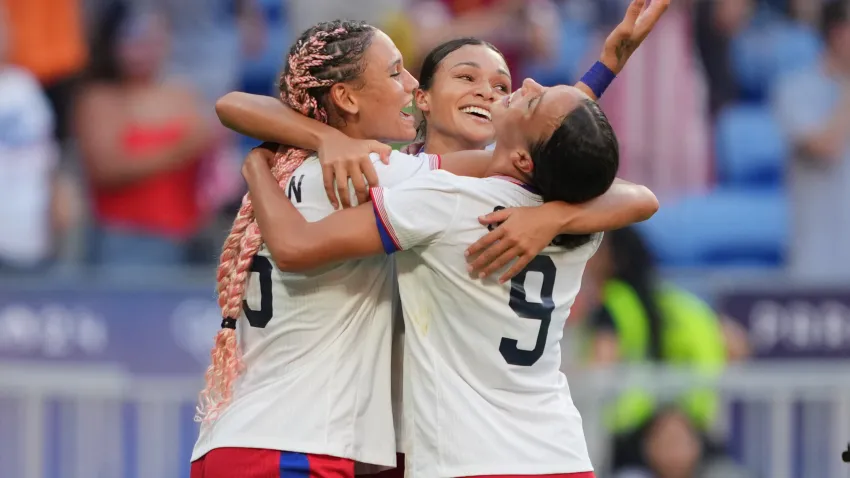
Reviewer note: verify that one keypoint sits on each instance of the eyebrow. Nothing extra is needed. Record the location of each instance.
(394, 64)
(538, 100)
(502, 71)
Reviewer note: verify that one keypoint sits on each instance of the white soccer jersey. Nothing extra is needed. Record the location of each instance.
(483, 390)
(317, 346)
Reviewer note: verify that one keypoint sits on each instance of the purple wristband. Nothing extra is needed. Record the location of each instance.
(598, 78)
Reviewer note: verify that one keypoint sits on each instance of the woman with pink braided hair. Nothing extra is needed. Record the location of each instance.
(299, 383)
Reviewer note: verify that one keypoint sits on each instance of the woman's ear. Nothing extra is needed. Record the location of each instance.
(422, 99)
(343, 98)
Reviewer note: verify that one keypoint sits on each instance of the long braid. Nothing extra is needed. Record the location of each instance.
(324, 55)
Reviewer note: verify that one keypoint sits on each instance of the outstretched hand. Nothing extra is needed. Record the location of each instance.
(640, 19)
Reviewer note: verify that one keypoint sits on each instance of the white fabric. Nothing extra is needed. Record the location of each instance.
(483, 390)
(317, 377)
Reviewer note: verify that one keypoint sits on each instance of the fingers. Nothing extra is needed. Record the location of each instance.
(650, 17)
(370, 173)
(516, 268)
(633, 12)
(492, 258)
(384, 150)
(328, 180)
(495, 217)
(361, 189)
(341, 175)
(488, 240)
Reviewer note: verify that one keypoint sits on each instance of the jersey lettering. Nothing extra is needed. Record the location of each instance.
(260, 318)
(293, 191)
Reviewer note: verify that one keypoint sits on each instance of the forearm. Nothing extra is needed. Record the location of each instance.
(472, 164)
(297, 245)
(623, 204)
(268, 119)
(274, 213)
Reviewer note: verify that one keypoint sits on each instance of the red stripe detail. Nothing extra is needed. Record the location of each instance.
(377, 195)
(323, 466)
(435, 160)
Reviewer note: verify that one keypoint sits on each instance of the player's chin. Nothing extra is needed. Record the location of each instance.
(405, 130)
(479, 134)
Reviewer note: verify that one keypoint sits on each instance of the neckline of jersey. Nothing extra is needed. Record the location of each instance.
(516, 181)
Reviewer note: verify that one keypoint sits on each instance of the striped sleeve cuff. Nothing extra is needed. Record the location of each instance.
(389, 239)
(435, 161)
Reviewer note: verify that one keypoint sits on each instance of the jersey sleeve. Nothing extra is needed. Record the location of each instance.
(403, 167)
(416, 213)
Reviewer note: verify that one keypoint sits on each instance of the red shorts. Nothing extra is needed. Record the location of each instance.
(398, 472)
(581, 474)
(256, 463)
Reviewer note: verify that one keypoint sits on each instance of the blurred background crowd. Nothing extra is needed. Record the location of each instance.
(707, 342)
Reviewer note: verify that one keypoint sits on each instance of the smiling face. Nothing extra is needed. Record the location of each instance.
(457, 101)
(532, 112)
(372, 103)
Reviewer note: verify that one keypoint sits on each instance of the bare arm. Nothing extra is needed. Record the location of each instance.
(268, 119)
(347, 234)
(523, 232)
(99, 129)
(623, 204)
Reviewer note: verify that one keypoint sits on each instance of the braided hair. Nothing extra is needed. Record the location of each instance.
(324, 55)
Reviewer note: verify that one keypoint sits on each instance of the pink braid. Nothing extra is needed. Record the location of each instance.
(245, 240)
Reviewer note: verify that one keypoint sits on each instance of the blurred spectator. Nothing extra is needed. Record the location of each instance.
(716, 23)
(47, 38)
(141, 141)
(640, 320)
(34, 202)
(813, 108)
(673, 448)
(210, 39)
(524, 30)
(659, 108)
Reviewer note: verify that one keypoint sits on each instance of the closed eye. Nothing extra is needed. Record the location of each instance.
(466, 77)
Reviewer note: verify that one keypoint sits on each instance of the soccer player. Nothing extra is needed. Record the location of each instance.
(483, 391)
(311, 394)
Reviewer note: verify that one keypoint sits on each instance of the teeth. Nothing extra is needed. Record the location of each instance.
(476, 110)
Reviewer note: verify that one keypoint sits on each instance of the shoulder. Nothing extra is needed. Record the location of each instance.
(434, 181)
(398, 156)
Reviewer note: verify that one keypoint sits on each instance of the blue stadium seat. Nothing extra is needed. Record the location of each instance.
(750, 148)
(768, 49)
(727, 227)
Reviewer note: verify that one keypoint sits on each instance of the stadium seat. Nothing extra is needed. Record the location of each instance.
(768, 49)
(750, 148)
(727, 227)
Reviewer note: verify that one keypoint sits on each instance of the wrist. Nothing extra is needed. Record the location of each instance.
(611, 62)
(326, 136)
(598, 78)
(561, 216)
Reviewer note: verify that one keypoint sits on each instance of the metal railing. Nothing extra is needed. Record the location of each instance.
(791, 420)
